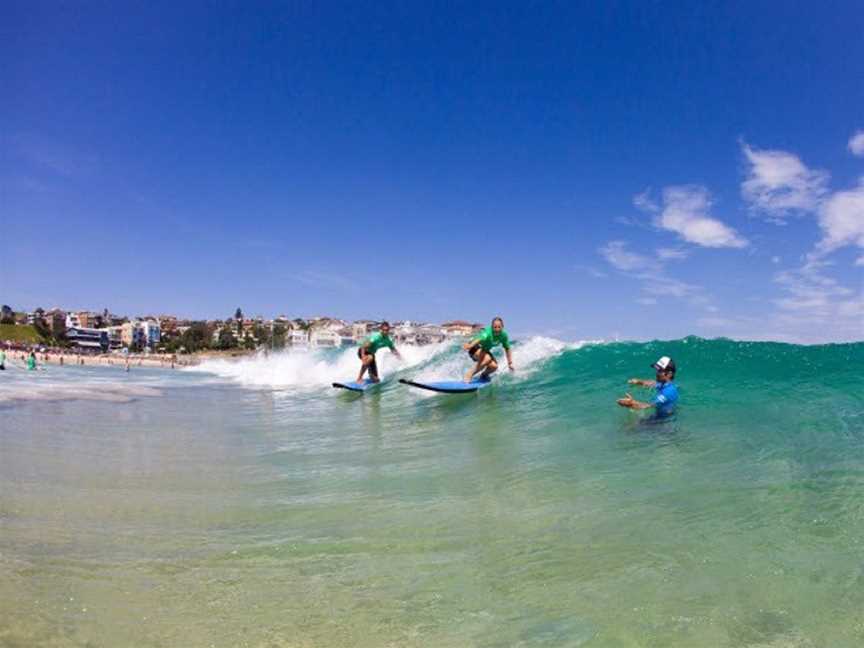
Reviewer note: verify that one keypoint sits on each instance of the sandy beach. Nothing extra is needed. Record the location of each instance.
(160, 360)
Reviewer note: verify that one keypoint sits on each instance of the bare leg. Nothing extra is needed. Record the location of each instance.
(365, 361)
(482, 359)
(491, 366)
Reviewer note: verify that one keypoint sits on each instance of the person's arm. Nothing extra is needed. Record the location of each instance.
(631, 403)
(509, 355)
(641, 382)
(395, 352)
(471, 343)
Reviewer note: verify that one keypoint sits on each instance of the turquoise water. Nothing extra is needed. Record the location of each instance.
(249, 504)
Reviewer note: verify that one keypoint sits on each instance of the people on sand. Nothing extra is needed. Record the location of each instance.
(666, 396)
(370, 346)
(480, 347)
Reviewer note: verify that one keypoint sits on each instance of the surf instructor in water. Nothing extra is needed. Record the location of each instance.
(370, 346)
(667, 392)
(480, 350)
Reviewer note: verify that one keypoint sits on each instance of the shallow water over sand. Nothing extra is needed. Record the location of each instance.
(203, 508)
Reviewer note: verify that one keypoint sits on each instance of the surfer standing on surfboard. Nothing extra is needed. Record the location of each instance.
(367, 350)
(480, 350)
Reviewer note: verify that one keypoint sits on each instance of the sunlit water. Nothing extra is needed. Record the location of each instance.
(249, 504)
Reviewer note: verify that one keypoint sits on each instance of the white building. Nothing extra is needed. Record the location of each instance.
(152, 333)
(297, 338)
(324, 338)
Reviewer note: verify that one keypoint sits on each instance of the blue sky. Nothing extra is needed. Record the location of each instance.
(584, 169)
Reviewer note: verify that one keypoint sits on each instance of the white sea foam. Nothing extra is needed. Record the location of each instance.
(316, 369)
(528, 357)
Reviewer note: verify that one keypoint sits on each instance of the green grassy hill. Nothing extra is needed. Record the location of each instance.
(14, 333)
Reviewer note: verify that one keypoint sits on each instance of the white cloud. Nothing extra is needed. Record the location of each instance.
(647, 301)
(841, 218)
(644, 202)
(817, 307)
(685, 212)
(672, 253)
(856, 144)
(650, 273)
(779, 184)
(619, 257)
(775, 260)
(661, 285)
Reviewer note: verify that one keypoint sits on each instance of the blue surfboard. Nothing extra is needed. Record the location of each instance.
(450, 386)
(355, 386)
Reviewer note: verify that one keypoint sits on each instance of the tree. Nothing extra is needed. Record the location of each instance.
(238, 317)
(226, 339)
(196, 337)
(7, 315)
(278, 337)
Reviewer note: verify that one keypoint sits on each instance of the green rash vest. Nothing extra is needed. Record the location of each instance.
(31, 362)
(378, 341)
(487, 339)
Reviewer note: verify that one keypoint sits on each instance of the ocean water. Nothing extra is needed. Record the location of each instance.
(249, 504)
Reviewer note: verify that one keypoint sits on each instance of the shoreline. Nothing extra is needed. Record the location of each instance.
(152, 360)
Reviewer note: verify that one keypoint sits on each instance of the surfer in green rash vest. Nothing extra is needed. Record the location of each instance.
(480, 350)
(370, 346)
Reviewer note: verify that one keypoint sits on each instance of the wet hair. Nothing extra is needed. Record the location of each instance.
(497, 319)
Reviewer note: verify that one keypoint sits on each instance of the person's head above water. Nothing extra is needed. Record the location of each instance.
(497, 325)
(665, 368)
(384, 328)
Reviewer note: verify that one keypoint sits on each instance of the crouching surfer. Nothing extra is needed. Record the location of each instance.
(480, 350)
(370, 346)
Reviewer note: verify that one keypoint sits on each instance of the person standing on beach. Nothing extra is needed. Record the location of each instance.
(480, 350)
(665, 399)
(370, 346)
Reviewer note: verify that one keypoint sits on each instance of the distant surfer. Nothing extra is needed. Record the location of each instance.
(370, 346)
(480, 350)
(666, 396)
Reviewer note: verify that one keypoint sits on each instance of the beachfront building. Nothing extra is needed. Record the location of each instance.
(324, 338)
(429, 334)
(152, 333)
(168, 323)
(90, 339)
(55, 321)
(346, 335)
(405, 332)
(36, 318)
(132, 335)
(115, 337)
(83, 319)
(459, 328)
(297, 337)
(362, 328)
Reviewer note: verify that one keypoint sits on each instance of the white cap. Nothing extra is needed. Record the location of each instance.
(663, 364)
